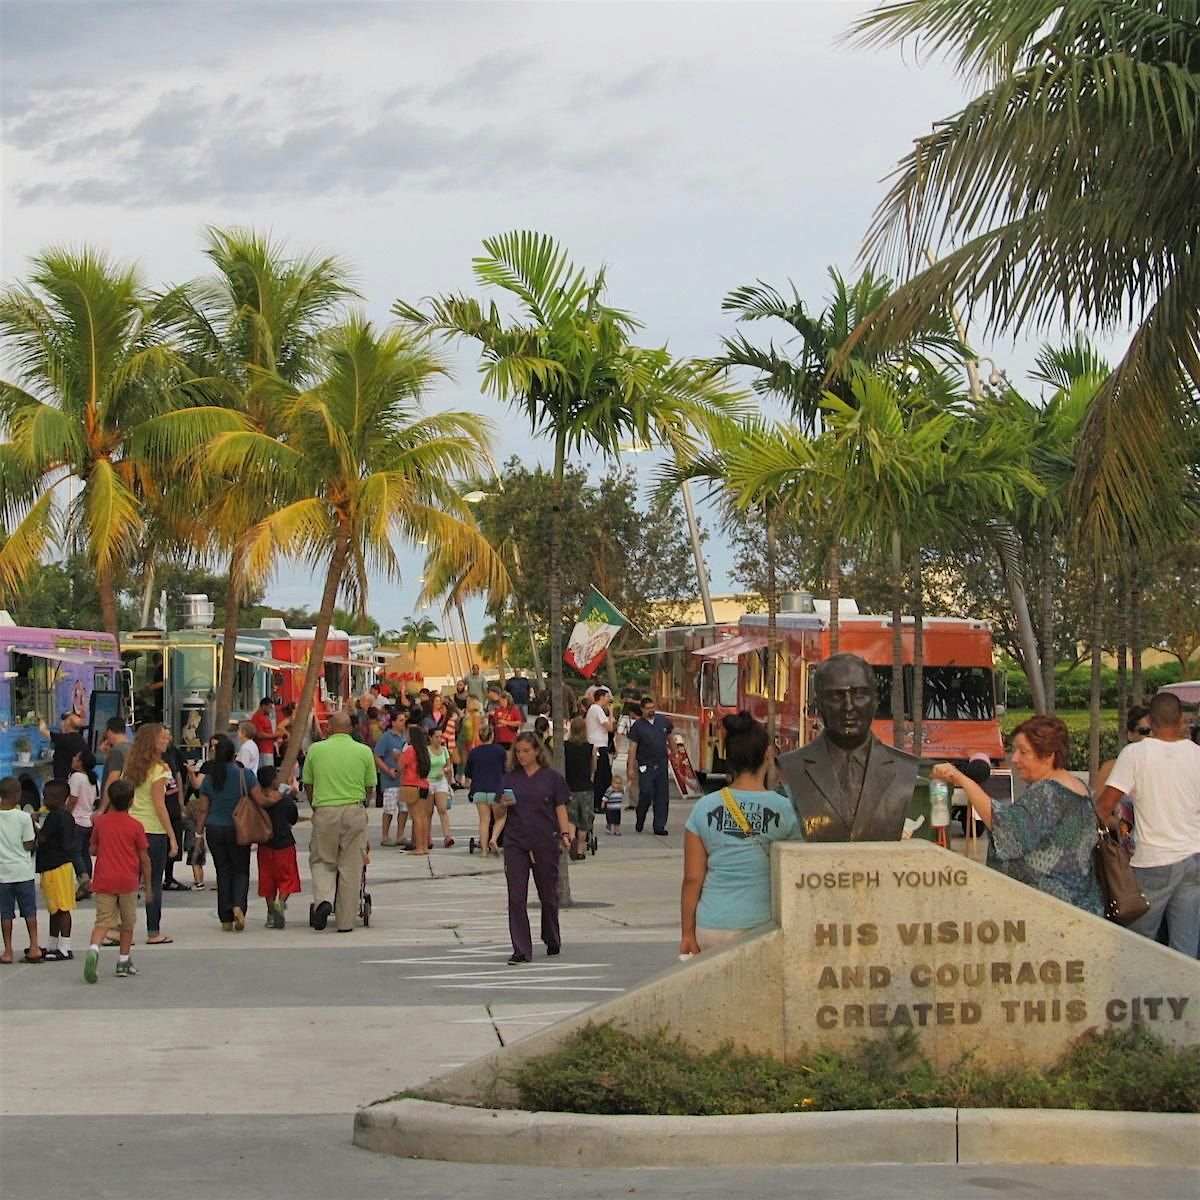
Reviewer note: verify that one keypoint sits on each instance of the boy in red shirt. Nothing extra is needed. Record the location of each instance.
(122, 853)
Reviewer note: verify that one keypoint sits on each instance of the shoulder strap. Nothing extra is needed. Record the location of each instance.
(735, 811)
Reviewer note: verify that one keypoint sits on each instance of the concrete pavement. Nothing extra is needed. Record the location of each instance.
(233, 1064)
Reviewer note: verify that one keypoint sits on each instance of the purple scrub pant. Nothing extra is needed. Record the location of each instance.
(517, 869)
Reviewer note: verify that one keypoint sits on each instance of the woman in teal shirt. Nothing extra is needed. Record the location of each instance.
(727, 844)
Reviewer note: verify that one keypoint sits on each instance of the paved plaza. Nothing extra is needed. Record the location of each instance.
(232, 1065)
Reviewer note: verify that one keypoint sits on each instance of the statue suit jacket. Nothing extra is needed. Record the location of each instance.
(817, 795)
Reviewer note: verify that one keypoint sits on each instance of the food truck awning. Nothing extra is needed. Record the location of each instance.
(262, 660)
(74, 656)
(730, 649)
(354, 662)
(1188, 691)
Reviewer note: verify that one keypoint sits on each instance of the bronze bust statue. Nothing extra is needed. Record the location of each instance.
(846, 785)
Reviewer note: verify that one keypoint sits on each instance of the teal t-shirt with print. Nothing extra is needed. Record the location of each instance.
(737, 886)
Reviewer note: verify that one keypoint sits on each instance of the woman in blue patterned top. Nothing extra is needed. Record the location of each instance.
(1044, 839)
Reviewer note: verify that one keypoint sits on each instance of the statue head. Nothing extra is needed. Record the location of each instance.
(846, 695)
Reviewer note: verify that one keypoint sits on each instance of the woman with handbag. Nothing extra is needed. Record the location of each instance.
(226, 783)
(1046, 838)
(727, 844)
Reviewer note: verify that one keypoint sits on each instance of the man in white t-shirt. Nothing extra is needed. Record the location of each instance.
(1162, 773)
(599, 726)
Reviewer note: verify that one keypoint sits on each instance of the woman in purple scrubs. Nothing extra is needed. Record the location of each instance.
(535, 833)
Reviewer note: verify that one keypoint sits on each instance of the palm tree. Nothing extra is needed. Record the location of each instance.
(909, 462)
(802, 379)
(569, 366)
(91, 369)
(360, 466)
(1070, 184)
(772, 469)
(416, 630)
(259, 316)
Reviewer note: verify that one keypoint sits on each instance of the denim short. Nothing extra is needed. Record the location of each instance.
(16, 897)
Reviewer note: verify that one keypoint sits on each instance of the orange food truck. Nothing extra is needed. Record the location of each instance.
(703, 672)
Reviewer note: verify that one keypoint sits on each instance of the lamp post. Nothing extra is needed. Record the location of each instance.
(689, 511)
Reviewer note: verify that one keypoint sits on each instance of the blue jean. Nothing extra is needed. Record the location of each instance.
(83, 857)
(653, 793)
(16, 897)
(1174, 892)
(160, 846)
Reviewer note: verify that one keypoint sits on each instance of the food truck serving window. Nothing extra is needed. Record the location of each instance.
(32, 688)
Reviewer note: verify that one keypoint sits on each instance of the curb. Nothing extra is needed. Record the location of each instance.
(511, 1137)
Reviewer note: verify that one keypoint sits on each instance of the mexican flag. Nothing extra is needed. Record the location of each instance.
(598, 624)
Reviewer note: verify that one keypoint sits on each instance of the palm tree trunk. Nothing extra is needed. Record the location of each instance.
(918, 695)
(228, 665)
(148, 596)
(316, 661)
(835, 594)
(1011, 553)
(897, 585)
(108, 600)
(1135, 623)
(556, 629)
(500, 640)
(1047, 589)
(1097, 636)
(772, 623)
(1123, 702)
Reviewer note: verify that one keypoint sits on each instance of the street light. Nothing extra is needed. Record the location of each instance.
(689, 510)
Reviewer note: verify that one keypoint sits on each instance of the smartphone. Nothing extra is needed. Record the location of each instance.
(507, 798)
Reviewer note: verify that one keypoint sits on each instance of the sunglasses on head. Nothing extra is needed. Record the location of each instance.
(1144, 730)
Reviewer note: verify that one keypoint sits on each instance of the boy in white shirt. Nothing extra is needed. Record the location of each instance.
(17, 892)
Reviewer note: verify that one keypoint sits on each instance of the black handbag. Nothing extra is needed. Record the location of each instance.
(1124, 900)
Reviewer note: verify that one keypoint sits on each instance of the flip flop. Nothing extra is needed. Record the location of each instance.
(111, 941)
(41, 958)
(161, 940)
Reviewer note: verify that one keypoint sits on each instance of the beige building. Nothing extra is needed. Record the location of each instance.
(434, 665)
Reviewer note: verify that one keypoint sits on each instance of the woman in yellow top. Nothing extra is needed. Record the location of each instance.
(145, 769)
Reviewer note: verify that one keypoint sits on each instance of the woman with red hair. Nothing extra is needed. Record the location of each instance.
(1045, 838)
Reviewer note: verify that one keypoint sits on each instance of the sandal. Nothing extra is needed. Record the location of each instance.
(159, 939)
(111, 941)
(26, 957)
(58, 955)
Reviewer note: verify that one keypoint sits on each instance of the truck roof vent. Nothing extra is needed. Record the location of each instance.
(197, 611)
(795, 602)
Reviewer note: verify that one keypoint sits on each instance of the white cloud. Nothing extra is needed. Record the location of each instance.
(691, 147)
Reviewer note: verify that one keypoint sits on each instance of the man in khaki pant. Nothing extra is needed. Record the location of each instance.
(340, 774)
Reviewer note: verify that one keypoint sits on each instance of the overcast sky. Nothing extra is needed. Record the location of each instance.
(691, 147)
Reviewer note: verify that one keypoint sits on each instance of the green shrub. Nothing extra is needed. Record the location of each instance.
(602, 1069)
(1077, 723)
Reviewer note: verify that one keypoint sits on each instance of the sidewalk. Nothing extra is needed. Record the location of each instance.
(293, 1021)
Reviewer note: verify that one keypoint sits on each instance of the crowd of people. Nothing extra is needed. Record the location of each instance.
(114, 837)
(407, 755)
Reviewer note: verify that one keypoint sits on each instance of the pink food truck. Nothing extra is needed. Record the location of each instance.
(45, 673)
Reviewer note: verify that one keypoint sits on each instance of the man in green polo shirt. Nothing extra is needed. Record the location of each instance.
(340, 774)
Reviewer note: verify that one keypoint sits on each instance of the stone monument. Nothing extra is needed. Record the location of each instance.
(874, 938)
(846, 785)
